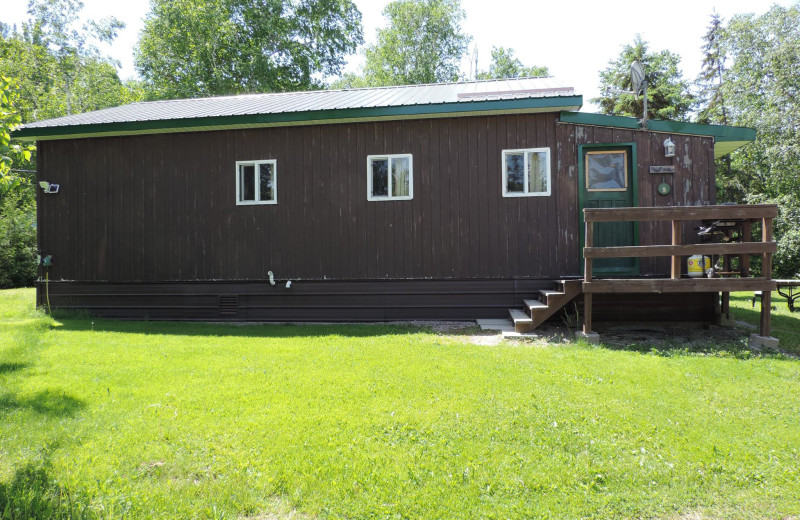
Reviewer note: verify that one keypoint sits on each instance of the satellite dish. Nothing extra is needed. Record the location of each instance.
(637, 77)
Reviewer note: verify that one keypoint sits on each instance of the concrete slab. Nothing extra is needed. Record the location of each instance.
(725, 320)
(496, 324)
(759, 342)
(592, 337)
(513, 334)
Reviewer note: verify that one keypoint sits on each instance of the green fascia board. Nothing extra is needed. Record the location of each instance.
(583, 118)
(338, 115)
(718, 132)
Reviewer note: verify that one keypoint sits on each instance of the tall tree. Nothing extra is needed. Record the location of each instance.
(710, 100)
(668, 95)
(423, 43)
(760, 90)
(505, 65)
(208, 47)
(711, 107)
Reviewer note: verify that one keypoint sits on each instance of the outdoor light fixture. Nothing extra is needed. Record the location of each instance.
(49, 188)
(669, 148)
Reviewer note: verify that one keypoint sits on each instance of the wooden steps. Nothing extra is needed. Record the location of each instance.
(550, 301)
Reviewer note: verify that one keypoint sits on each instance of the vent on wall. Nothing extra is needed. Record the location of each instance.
(228, 305)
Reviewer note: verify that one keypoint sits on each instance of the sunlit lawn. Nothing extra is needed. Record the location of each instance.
(173, 420)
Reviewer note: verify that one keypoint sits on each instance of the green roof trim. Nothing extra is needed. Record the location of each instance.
(726, 138)
(718, 132)
(282, 118)
(582, 118)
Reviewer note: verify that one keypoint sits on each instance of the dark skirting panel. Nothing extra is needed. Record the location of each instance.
(385, 300)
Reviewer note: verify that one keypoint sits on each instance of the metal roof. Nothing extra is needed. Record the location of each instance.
(322, 105)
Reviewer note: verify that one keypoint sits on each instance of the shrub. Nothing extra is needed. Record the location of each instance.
(17, 239)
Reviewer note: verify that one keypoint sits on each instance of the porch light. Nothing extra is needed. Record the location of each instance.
(669, 148)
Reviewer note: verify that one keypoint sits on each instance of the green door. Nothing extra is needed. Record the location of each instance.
(607, 178)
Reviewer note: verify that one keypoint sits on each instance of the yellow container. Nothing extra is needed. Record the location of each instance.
(697, 265)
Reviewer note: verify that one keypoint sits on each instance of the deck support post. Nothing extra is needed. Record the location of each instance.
(763, 338)
(766, 272)
(586, 333)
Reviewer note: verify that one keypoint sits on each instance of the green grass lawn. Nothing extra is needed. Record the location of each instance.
(107, 419)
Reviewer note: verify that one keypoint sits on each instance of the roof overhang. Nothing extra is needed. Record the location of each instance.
(726, 138)
(351, 115)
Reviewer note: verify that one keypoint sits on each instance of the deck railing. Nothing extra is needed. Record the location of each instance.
(679, 215)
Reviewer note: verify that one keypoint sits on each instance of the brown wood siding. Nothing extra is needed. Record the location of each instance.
(162, 208)
(383, 300)
(692, 183)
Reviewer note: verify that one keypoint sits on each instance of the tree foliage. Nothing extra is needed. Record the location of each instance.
(423, 43)
(17, 206)
(668, 95)
(760, 90)
(57, 63)
(194, 48)
(505, 65)
(11, 153)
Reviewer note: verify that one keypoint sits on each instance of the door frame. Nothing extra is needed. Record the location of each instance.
(582, 188)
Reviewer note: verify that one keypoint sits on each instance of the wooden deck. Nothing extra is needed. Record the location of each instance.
(748, 215)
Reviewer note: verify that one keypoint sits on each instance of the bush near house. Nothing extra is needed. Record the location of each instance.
(17, 240)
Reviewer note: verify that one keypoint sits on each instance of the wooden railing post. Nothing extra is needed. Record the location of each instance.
(766, 272)
(747, 214)
(587, 277)
(744, 260)
(676, 241)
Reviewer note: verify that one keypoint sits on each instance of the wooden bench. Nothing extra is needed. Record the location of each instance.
(786, 288)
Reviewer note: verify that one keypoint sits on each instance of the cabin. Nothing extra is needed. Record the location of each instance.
(447, 201)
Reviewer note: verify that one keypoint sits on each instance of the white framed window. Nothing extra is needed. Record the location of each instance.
(526, 172)
(256, 182)
(390, 177)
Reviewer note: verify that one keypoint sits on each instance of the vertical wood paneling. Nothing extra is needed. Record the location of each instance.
(493, 194)
(462, 209)
(162, 208)
(470, 150)
(482, 207)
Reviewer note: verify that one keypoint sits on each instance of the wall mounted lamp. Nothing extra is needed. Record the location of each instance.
(669, 148)
(49, 188)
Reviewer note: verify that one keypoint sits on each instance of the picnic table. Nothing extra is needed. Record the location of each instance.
(787, 289)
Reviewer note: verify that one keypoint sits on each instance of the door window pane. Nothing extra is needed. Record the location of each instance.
(607, 171)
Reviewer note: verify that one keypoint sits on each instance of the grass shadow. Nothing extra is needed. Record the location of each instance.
(245, 330)
(7, 368)
(33, 493)
(47, 402)
(785, 325)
